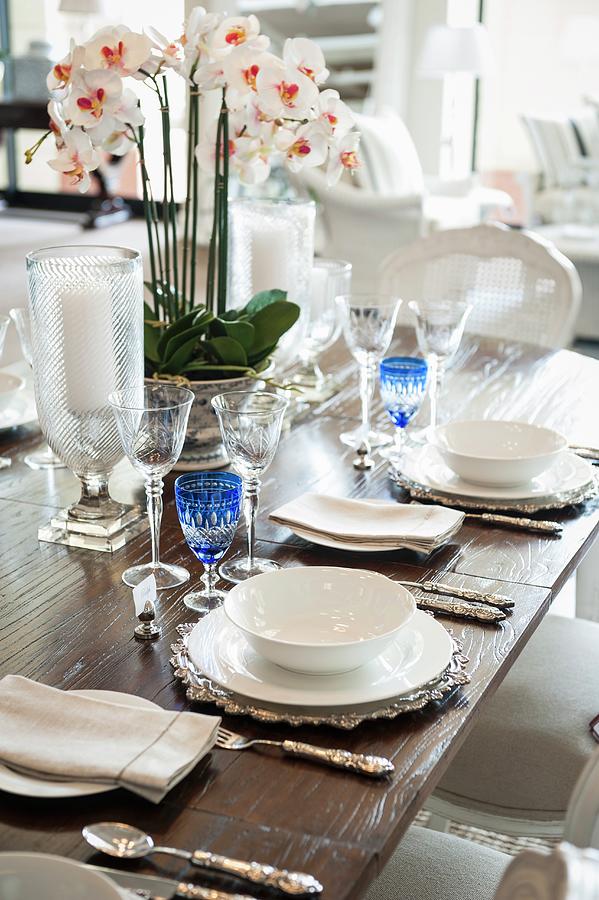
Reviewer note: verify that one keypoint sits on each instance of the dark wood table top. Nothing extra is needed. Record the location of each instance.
(67, 620)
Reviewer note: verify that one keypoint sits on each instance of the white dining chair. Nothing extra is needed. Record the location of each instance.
(430, 865)
(522, 287)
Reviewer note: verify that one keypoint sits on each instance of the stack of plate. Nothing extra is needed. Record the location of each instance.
(349, 644)
(498, 465)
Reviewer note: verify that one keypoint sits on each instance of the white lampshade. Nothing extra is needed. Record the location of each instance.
(448, 49)
(88, 7)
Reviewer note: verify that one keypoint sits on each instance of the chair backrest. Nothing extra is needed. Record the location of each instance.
(557, 150)
(582, 820)
(586, 123)
(521, 287)
(566, 873)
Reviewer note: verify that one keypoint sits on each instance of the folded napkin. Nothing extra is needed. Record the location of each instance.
(380, 524)
(56, 735)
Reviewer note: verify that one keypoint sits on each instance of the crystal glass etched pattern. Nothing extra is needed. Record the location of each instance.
(86, 311)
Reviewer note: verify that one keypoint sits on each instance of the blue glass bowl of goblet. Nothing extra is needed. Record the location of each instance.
(208, 506)
(403, 382)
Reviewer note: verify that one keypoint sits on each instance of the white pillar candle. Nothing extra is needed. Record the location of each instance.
(319, 289)
(88, 346)
(270, 269)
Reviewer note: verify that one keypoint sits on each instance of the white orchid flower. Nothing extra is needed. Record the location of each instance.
(59, 77)
(343, 156)
(284, 92)
(92, 94)
(305, 55)
(241, 72)
(335, 116)
(77, 158)
(237, 31)
(307, 146)
(171, 53)
(117, 49)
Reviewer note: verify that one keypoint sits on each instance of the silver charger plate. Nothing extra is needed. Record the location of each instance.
(559, 500)
(201, 689)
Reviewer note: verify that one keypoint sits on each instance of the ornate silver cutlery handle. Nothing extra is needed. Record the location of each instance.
(195, 892)
(364, 763)
(541, 525)
(439, 587)
(295, 884)
(466, 609)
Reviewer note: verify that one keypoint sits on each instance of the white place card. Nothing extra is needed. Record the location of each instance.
(144, 591)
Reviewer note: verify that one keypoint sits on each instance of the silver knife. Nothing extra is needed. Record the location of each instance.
(438, 587)
(461, 609)
(153, 888)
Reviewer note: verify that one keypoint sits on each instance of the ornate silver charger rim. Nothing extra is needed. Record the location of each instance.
(201, 689)
(559, 500)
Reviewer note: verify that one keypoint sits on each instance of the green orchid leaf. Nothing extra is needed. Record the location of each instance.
(242, 332)
(151, 340)
(149, 313)
(176, 364)
(181, 339)
(178, 327)
(270, 323)
(227, 350)
(206, 371)
(262, 299)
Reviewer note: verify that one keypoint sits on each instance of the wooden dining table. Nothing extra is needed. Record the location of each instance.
(67, 620)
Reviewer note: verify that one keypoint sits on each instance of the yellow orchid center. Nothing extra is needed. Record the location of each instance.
(349, 160)
(93, 103)
(301, 147)
(62, 72)
(250, 75)
(288, 93)
(113, 56)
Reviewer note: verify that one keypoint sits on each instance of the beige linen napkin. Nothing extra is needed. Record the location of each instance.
(56, 735)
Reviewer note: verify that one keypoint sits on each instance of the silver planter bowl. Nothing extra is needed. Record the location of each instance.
(203, 448)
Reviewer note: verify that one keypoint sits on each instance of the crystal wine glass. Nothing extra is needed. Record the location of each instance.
(439, 329)
(250, 424)
(44, 458)
(151, 421)
(331, 278)
(403, 386)
(208, 506)
(368, 321)
(4, 322)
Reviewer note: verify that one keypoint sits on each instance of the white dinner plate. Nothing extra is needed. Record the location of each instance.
(424, 466)
(27, 786)
(22, 411)
(25, 876)
(419, 654)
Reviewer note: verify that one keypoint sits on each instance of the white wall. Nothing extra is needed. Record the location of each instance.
(532, 76)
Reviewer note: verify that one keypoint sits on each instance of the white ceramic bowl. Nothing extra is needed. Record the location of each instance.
(10, 385)
(319, 620)
(25, 876)
(497, 453)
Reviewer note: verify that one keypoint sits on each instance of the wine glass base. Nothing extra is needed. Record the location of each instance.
(237, 570)
(204, 601)
(166, 575)
(43, 460)
(393, 455)
(356, 437)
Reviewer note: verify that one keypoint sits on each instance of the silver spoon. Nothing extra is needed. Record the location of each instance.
(127, 842)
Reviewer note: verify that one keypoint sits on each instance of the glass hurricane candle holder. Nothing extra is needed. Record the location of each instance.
(331, 278)
(403, 386)
(152, 421)
(44, 458)
(368, 324)
(86, 311)
(4, 322)
(250, 425)
(272, 247)
(208, 506)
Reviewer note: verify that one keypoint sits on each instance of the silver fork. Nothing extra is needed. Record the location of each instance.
(362, 763)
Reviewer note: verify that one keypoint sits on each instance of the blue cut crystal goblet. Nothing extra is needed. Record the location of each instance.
(208, 506)
(403, 386)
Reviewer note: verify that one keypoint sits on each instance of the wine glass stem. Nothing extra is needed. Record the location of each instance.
(436, 380)
(154, 488)
(367, 381)
(209, 578)
(250, 508)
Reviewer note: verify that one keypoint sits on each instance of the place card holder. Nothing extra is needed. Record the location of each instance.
(144, 598)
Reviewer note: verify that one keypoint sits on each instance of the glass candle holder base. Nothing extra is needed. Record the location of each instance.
(43, 459)
(357, 436)
(104, 535)
(5, 462)
(239, 569)
(166, 575)
(204, 601)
